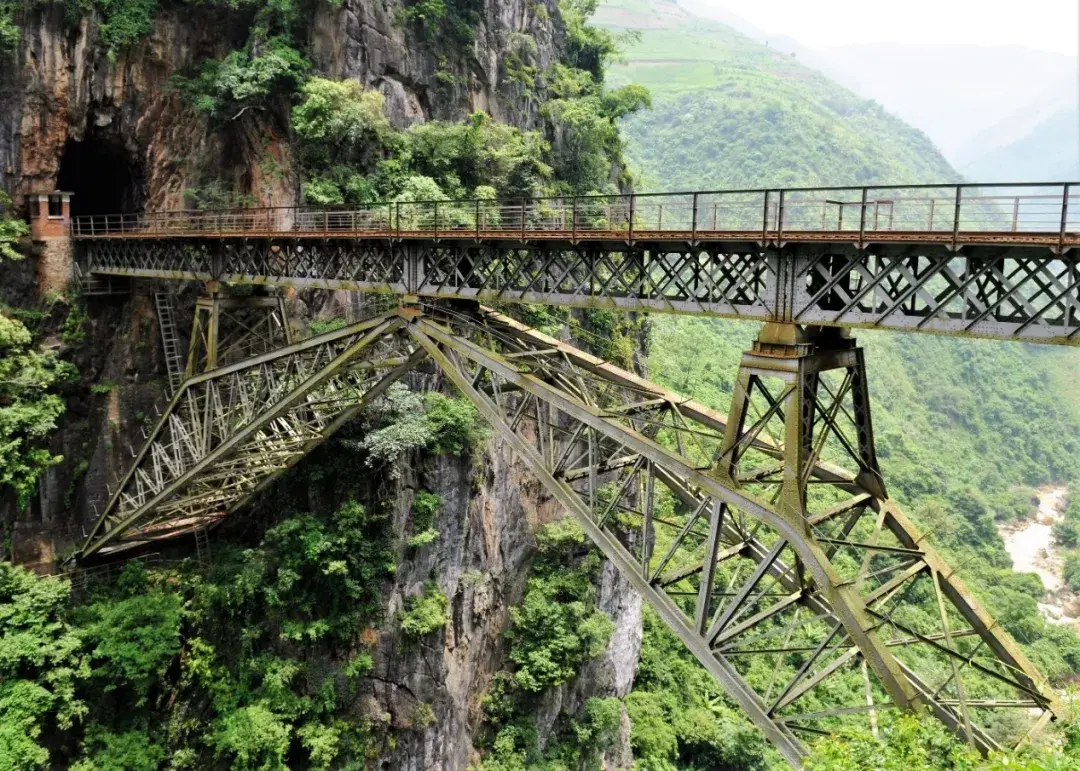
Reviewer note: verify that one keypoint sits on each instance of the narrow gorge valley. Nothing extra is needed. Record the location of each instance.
(409, 595)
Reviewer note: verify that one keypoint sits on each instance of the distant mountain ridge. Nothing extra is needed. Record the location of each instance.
(1048, 151)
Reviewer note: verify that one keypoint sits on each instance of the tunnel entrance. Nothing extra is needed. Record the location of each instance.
(102, 175)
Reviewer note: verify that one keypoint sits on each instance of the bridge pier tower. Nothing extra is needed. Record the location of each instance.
(50, 229)
(229, 329)
(806, 389)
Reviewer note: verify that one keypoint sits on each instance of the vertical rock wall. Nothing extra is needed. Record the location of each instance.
(62, 88)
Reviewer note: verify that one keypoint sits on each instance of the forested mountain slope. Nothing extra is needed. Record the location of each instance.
(964, 428)
(729, 112)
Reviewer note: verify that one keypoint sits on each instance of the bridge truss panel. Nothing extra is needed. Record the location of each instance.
(1008, 291)
(781, 572)
(228, 433)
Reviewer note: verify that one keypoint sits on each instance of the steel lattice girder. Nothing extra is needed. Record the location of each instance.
(1008, 291)
(739, 581)
(228, 433)
(808, 619)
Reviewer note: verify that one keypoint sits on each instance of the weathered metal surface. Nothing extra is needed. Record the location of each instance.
(1015, 292)
(765, 542)
(985, 261)
(229, 432)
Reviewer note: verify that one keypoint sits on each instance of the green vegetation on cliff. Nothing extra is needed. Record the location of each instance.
(29, 380)
(252, 666)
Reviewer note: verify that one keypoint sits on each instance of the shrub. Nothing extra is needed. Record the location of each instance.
(425, 614)
(252, 738)
(134, 639)
(454, 423)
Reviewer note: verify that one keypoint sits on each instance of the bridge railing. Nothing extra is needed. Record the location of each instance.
(1044, 208)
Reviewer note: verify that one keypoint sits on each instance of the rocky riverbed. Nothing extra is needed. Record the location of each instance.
(1031, 546)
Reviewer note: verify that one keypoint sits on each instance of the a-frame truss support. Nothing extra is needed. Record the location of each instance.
(765, 542)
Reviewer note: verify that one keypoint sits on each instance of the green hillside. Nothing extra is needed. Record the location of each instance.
(964, 428)
(729, 112)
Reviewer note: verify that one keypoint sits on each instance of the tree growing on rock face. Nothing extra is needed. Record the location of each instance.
(11, 229)
(29, 406)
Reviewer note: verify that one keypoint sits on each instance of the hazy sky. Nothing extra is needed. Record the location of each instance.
(1050, 25)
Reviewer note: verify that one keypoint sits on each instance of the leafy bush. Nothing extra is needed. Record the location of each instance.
(128, 751)
(425, 613)
(452, 20)
(252, 739)
(246, 79)
(133, 640)
(125, 22)
(11, 228)
(423, 538)
(425, 506)
(404, 420)
(454, 424)
(314, 578)
(41, 666)
(28, 407)
(322, 326)
(557, 627)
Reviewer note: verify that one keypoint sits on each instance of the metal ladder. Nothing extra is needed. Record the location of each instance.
(174, 363)
(202, 549)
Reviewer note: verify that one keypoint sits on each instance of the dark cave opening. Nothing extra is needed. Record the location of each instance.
(102, 176)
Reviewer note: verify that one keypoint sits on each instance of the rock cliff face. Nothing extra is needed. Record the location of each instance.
(64, 107)
(62, 87)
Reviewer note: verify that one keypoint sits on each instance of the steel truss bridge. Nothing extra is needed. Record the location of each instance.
(765, 539)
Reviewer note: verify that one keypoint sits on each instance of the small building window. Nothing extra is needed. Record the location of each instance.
(35, 208)
(56, 206)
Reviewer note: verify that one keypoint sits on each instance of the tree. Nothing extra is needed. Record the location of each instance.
(11, 229)
(41, 663)
(29, 408)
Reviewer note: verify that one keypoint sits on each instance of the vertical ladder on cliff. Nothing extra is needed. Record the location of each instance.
(174, 362)
(202, 549)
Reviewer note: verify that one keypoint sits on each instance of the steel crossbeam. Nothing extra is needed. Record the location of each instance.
(766, 542)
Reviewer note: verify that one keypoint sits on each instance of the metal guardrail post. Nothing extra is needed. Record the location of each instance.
(1016, 213)
(862, 219)
(633, 199)
(693, 220)
(522, 219)
(780, 219)
(956, 216)
(477, 218)
(436, 206)
(1064, 219)
(573, 222)
(765, 220)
